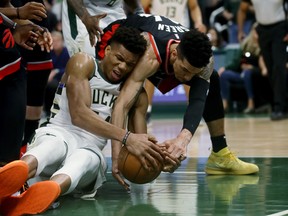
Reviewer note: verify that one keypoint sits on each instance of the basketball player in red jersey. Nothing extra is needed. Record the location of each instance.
(176, 55)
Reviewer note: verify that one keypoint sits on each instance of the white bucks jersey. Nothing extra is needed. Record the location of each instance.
(103, 96)
(176, 10)
(113, 8)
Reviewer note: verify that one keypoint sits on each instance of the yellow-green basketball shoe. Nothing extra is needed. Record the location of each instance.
(225, 162)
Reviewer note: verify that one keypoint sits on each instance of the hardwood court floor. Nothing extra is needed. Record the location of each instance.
(189, 191)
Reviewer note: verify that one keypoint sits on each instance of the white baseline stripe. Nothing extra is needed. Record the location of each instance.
(280, 213)
(180, 172)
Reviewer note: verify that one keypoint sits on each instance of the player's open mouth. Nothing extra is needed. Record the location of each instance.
(116, 74)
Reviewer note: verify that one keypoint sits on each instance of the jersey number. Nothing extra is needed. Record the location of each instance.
(171, 12)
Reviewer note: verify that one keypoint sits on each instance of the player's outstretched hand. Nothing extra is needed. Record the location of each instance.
(25, 35)
(142, 146)
(117, 175)
(175, 151)
(45, 40)
(93, 28)
(32, 11)
(145, 148)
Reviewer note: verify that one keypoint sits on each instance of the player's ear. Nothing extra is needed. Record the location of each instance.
(107, 50)
(174, 53)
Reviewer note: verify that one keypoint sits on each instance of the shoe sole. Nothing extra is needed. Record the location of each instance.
(35, 200)
(12, 177)
(210, 171)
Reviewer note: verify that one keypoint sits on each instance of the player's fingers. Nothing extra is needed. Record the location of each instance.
(152, 138)
(30, 44)
(28, 47)
(153, 162)
(47, 47)
(182, 157)
(172, 162)
(157, 152)
(143, 161)
(35, 17)
(92, 38)
(121, 181)
(163, 149)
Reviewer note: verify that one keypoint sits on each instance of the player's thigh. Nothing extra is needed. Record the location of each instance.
(82, 166)
(49, 149)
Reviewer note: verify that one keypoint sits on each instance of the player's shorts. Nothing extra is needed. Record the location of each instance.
(36, 59)
(75, 33)
(65, 145)
(38, 66)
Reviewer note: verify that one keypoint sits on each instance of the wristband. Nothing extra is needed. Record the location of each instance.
(8, 22)
(14, 26)
(125, 137)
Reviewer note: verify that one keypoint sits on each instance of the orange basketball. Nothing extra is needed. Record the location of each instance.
(132, 169)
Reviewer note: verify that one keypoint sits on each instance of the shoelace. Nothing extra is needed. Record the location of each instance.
(24, 187)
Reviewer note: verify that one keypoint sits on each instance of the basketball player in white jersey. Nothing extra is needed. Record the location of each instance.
(68, 148)
(177, 11)
(83, 21)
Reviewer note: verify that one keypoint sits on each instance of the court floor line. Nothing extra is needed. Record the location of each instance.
(179, 172)
(279, 213)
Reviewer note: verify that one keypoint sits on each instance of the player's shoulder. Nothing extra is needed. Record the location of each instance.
(81, 56)
(81, 61)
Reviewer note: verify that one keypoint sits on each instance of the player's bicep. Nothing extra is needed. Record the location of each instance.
(77, 83)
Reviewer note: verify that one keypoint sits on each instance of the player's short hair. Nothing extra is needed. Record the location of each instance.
(131, 39)
(196, 47)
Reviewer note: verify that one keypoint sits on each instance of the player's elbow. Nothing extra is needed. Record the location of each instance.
(76, 117)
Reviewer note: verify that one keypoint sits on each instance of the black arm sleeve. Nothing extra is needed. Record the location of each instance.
(197, 97)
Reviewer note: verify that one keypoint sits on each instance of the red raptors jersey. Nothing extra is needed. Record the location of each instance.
(162, 32)
(9, 55)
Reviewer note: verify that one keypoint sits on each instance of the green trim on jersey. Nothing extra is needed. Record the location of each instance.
(72, 22)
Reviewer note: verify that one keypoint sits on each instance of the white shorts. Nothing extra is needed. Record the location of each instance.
(75, 34)
(60, 152)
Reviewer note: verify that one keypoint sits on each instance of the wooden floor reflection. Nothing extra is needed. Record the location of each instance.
(189, 191)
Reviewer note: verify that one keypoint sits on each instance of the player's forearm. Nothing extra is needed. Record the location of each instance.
(241, 16)
(8, 16)
(91, 122)
(197, 98)
(185, 136)
(196, 16)
(8, 22)
(9, 11)
(78, 7)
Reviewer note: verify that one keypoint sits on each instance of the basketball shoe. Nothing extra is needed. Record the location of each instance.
(36, 199)
(12, 177)
(225, 188)
(225, 162)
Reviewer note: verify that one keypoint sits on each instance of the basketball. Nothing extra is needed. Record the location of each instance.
(132, 169)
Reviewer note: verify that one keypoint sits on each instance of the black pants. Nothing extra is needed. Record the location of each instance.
(12, 115)
(274, 52)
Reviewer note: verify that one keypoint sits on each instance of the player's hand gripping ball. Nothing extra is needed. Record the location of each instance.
(132, 169)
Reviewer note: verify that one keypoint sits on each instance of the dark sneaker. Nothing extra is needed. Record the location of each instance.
(276, 116)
